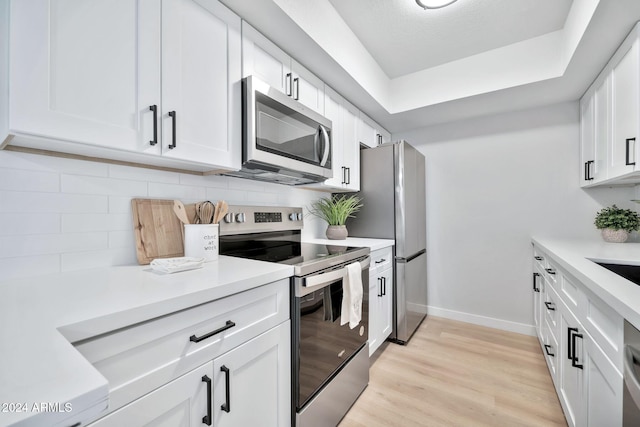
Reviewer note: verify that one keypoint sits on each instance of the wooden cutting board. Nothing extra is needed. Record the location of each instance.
(158, 231)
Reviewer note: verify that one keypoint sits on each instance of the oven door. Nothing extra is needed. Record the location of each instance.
(320, 345)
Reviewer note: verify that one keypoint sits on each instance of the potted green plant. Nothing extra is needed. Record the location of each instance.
(616, 223)
(335, 210)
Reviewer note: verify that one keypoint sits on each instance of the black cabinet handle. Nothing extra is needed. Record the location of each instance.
(628, 141)
(207, 418)
(384, 286)
(550, 306)
(380, 261)
(380, 283)
(589, 163)
(172, 114)
(570, 341)
(535, 276)
(538, 258)
(154, 108)
(348, 176)
(587, 170)
(227, 325)
(226, 407)
(296, 82)
(344, 175)
(550, 270)
(289, 84)
(574, 358)
(546, 349)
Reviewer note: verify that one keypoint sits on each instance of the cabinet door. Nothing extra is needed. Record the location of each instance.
(538, 283)
(201, 94)
(351, 148)
(625, 112)
(604, 387)
(386, 305)
(262, 58)
(183, 402)
(86, 71)
(333, 112)
(587, 139)
(307, 88)
(252, 383)
(375, 291)
(572, 379)
(602, 128)
(367, 131)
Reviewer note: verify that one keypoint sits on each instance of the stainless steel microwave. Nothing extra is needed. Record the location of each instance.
(283, 140)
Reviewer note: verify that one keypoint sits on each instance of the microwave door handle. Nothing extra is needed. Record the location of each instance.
(327, 145)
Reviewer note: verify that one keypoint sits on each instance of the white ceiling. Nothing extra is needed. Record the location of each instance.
(408, 68)
(404, 38)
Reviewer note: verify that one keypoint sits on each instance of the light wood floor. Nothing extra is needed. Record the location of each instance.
(457, 374)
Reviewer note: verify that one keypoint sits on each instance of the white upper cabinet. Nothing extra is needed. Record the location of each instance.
(92, 74)
(370, 133)
(345, 159)
(262, 58)
(610, 120)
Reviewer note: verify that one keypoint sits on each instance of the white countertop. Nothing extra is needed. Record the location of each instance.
(575, 257)
(40, 317)
(373, 244)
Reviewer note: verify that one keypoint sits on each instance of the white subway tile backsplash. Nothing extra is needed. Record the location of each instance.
(73, 223)
(12, 246)
(21, 223)
(33, 162)
(101, 258)
(97, 185)
(172, 191)
(142, 174)
(13, 201)
(23, 180)
(29, 266)
(63, 214)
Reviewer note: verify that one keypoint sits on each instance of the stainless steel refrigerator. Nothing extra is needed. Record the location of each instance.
(392, 187)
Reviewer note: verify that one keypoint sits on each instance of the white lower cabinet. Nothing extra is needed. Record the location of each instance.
(380, 298)
(228, 360)
(184, 402)
(582, 339)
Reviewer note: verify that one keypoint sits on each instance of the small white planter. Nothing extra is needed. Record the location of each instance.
(614, 236)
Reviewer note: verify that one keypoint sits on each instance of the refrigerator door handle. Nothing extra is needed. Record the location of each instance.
(409, 258)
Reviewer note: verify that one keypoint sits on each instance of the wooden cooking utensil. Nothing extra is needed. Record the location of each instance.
(205, 212)
(180, 211)
(222, 211)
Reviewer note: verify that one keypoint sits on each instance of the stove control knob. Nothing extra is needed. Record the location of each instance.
(228, 218)
(292, 216)
(241, 217)
(299, 216)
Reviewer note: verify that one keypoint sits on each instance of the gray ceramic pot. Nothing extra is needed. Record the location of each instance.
(337, 232)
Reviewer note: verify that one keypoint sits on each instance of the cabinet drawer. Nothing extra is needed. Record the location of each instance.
(551, 273)
(550, 307)
(381, 259)
(140, 358)
(539, 258)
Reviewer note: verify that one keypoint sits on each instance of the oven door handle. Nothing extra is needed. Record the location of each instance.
(631, 354)
(319, 281)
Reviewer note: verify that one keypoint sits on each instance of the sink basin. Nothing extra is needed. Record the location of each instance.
(629, 272)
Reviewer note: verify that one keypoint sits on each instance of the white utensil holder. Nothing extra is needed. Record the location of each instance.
(201, 241)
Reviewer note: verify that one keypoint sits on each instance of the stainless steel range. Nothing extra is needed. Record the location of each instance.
(330, 363)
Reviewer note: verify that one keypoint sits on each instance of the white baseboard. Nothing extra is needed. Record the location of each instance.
(504, 325)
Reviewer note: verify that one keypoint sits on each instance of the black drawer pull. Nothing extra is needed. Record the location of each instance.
(226, 407)
(628, 161)
(546, 350)
(538, 258)
(550, 270)
(207, 418)
(550, 306)
(154, 108)
(570, 341)
(228, 325)
(535, 276)
(574, 358)
(380, 261)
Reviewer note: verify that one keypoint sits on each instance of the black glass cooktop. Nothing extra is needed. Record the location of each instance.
(285, 248)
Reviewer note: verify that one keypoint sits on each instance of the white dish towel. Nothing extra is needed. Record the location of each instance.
(352, 295)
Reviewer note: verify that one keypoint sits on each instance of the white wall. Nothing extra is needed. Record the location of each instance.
(61, 214)
(492, 183)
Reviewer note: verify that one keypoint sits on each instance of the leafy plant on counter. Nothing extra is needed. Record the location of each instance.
(336, 209)
(618, 219)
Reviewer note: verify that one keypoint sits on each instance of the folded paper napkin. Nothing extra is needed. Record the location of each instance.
(352, 295)
(173, 265)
